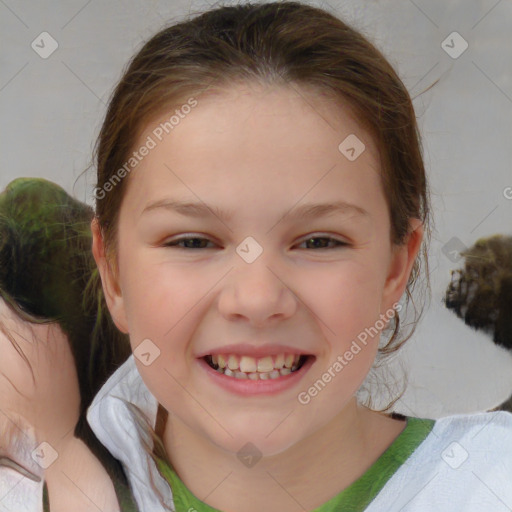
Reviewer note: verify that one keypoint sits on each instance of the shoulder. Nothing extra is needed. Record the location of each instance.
(478, 443)
(465, 463)
(464, 422)
(493, 428)
(484, 439)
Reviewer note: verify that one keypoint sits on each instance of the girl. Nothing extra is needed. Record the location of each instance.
(54, 355)
(261, 203)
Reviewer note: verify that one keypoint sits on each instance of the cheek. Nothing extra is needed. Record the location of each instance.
(347, 305)
(156, 294)
(348, 308)
(14, 370)
(346, 298)
(49, 398)
(162, 303)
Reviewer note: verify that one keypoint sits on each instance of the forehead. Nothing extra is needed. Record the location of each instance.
(263, 140)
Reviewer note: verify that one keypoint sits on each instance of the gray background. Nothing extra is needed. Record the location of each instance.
(52, 109)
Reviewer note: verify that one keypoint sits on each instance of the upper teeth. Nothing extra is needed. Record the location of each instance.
(268, 366)
(251, 364)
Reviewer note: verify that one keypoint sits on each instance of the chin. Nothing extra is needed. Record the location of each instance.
(258, 442)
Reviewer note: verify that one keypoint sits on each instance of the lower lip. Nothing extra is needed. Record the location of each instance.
(248, 387)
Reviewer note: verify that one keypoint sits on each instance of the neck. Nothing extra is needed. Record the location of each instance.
(329, 460)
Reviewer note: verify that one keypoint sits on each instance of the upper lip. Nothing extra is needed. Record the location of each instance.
(247, 349)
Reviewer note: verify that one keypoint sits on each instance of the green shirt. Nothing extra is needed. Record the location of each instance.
(356, 497)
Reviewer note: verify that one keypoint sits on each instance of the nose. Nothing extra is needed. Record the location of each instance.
(256, 293)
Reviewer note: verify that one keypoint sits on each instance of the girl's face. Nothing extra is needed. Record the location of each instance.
(46, 399)
(227, 247)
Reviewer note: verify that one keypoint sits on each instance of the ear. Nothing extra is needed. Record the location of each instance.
(400, 265)
(111, 289)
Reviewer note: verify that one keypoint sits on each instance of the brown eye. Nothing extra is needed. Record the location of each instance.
(323, 242)
(189, 243)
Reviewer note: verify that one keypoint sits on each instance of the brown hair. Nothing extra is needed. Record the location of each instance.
(278, 44)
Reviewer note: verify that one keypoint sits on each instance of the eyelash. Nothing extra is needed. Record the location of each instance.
(174, 243)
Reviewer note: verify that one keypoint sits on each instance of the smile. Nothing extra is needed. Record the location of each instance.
(263, 368)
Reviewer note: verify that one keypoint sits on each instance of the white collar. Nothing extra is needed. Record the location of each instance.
(113, 424)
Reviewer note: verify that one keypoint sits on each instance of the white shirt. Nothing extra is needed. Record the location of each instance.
(464, 464)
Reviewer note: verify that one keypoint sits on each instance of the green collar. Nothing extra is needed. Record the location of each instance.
(356, 497)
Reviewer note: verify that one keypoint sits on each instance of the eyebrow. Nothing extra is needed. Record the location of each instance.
(303, 212)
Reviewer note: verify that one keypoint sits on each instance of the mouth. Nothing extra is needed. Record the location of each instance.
(269, 367)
